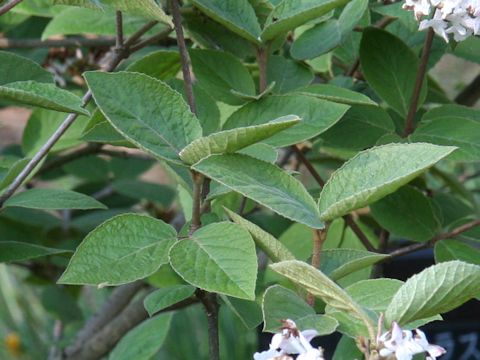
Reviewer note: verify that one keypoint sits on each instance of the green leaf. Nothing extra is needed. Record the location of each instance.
(230, 141)
(165, 297)
(318, 284)
(208, 113)
(417, 221)
(274, 249)
(146, 111)
(287, 74)
(280, 303)
(236, 15)
(43, 95)
(447, 250)
(142, 190)
(99, 129)
(74, 21)
(452, 125)
(396, 11)
(53, 199)
(17, 68)
(337, 263)
(373, 295)
(388, 168)
(347, 349)
(42, 123)
(145, 8)
(219, 73)
(219, 257)
(360, 128)
(261, 152)
(144, 341)
(337, 94)
(390, 68)
(11, 251)
(264, 183)
(317, 116)
(123, 249)
(249, 312)
(317, 41)
(289, 14)
(160, 64)
(351, 16)
(437, 289)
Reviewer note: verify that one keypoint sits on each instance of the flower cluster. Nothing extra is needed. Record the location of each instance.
(291, 341)
(403, 344)
(458, 17)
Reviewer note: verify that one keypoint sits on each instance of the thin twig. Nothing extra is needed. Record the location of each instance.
(319, 237)
(69, 120)
(210, 304)
(61, 160)
(8, 6)
(119, 31)
(308, 165)
(68, 42)
(451, 234)
(262, 59)
(422, 68)
(185, 58)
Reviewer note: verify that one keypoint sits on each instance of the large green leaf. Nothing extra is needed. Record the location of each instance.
(219, 257)
(146, 111)
(144, 341)
(452, 125)
(418, 220)
(265, 183)
(17, 68)
(360, 128)
(437, 289)
(337, 263)
(121, 250)
(163, 298)
(317, 116)
(280, 303)
(160, 64)
(289, 14)
(230, 141)
(219, 73)
(318, 284)
(390, 68)
(146, 8)
(43, 95)
(373, 295)
(287, 74)
(375, 173)
(337, 94)
(53, 199)
(73, 21)
(141, 190)
(19, 251)
(42, 123)
(274, 249)
(236, 15)
(447, 250)
(317, 40)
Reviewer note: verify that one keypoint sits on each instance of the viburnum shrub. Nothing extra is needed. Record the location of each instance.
(234, 165)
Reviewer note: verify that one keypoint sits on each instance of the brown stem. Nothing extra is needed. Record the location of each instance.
(8, 6)
(319, 237)
(422, 68)
(348, 218)
(119, 31)
(451, 234)
(69, 120)
(69, 42)
(210, 304)
(262, 59)
(185, 58)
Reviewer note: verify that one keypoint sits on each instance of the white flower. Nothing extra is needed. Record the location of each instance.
(291, 341)
(461, 18)
(403, 344)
